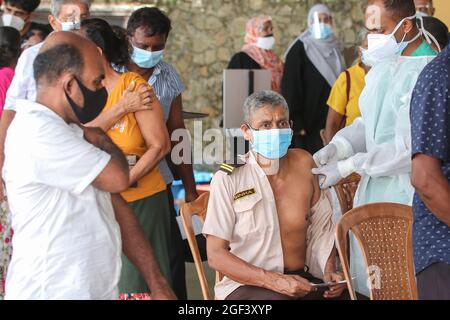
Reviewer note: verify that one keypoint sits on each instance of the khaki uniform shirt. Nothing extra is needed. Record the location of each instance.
(242, 211)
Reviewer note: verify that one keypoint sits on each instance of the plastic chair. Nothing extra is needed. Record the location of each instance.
(187, 211)
(384, 233)
(346, 190)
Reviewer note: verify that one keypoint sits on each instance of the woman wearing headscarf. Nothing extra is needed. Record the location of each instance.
(257, 52)
(313, 63)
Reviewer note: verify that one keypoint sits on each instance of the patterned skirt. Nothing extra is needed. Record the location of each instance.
(6, 234)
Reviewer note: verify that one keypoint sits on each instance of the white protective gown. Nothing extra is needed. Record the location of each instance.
(380, 142)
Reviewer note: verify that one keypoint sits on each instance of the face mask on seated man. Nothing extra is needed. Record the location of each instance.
(271, 213)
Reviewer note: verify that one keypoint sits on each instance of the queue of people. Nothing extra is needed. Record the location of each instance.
(88, 111)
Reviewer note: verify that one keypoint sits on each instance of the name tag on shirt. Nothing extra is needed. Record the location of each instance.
(244, 194)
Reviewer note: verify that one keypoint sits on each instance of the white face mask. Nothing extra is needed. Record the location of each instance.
(265, 43)
(12, 21)
(385, 46)
(69, 26)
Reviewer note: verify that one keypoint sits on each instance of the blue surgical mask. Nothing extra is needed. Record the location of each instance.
(323, 32)
(146, 59)
(272, 144)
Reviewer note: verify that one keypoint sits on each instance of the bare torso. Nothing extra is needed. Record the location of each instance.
(296, 190)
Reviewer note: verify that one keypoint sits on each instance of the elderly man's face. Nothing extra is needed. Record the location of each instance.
(71, 12)
(266, 118)
(425, 6)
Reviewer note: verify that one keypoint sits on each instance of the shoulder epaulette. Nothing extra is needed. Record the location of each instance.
(227, 168)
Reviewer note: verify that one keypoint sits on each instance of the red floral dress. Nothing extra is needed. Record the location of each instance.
(135, 296)
(6, 234)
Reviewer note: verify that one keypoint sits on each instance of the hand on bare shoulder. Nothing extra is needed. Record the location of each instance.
(139, 99)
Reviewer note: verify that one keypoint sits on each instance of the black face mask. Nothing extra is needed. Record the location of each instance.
(94, 102)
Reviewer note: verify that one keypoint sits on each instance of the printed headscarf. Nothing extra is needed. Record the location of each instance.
(267, 59)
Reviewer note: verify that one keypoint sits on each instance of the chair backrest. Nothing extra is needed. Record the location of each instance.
(384, 233)
(187, 211)
(346, 190)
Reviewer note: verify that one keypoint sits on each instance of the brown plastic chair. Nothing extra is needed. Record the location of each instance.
(384, 233)
(187, 211)
(346, 190)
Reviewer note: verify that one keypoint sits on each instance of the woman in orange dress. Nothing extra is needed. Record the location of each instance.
(144, 139)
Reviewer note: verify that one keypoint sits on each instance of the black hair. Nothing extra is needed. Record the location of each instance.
(42, 29)
(56, 61)
(152, 19)
(9, 46)
(438, 29)
(400, 9)
(120, 32)
(26, 5)
(114, 48)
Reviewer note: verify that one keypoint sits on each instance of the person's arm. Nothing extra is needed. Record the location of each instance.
(337, 102)
(330, 272)
(5, 122)
(114, 178)
(333, 275)
(432, 186)
(139, 251)
(236, 269)
(154, 131)
(184, 170)
(132, 101)
(430, 124)
(334, 124)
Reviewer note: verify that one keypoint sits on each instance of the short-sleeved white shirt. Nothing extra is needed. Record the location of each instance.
(66, 240)
(23, 85)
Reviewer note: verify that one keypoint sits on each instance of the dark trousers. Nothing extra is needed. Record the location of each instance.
(433, 283)
(177, 252)
(257, 293)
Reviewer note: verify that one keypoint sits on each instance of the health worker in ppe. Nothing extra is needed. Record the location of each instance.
(378, 144)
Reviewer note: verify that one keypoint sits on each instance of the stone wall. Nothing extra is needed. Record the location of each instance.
(206, 33)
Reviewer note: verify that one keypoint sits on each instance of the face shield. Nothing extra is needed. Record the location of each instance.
(321, 30)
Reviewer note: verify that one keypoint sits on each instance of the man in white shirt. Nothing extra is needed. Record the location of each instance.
(59, 176)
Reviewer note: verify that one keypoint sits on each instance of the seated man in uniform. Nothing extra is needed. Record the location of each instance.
(269, 228)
